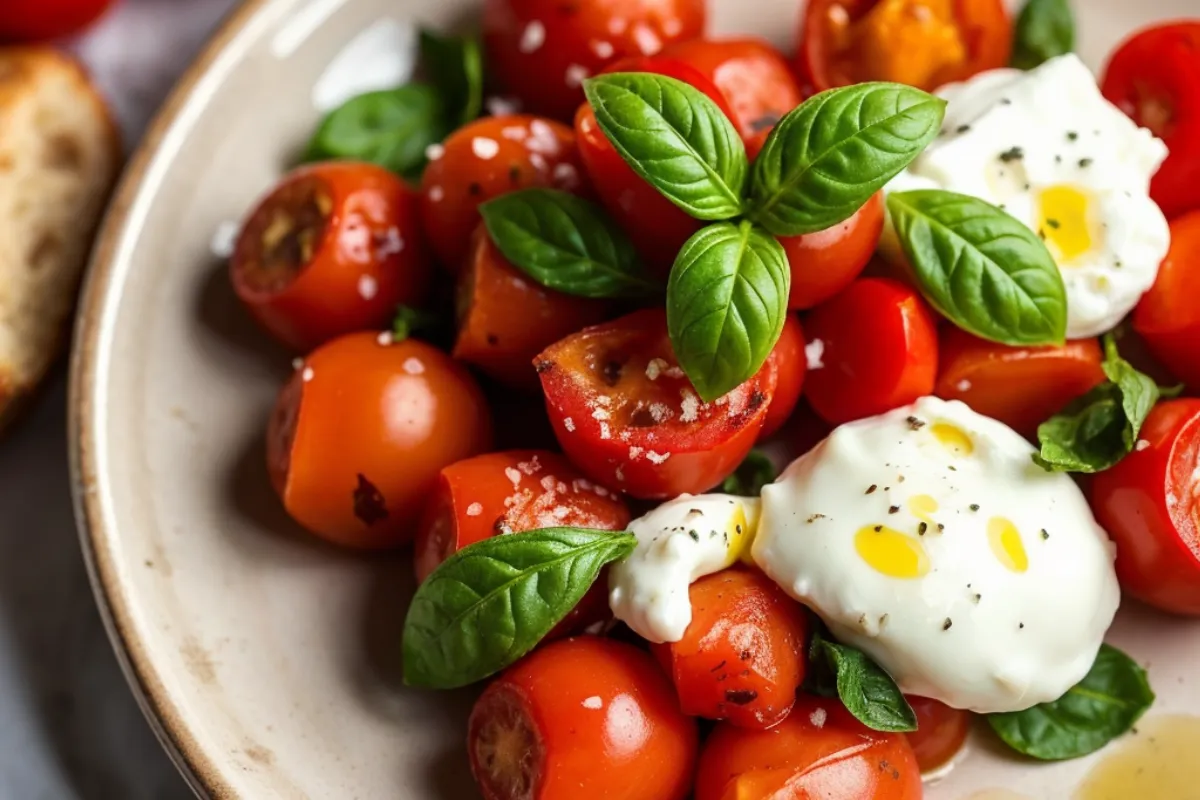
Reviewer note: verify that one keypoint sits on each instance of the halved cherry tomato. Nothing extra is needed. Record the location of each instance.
(584, 717)
(39, 20)
(941, 731)
(485, 159)
(541, 50)
(1168, 316)
(826, 262)
(1154, 77)
(743, 655)
(1020, 386)
(625, 413)
(789, 363)
(360, 432)
(925, 43)
(657, 227)
(878, 351)
(507, 318)
(1149, 505)
(819, 751)
(334, 248)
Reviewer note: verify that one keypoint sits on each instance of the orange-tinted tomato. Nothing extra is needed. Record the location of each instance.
(941, 731)
(1020, 386)
(625, 413)
(41, 20)
(743, 655)
(826, 262)
(485, 159)
(1168, 316)
(334, 248)
(878, 351)
(360, 432)
(819, 751)
(788, 363)
(585, 717)
(541, 50)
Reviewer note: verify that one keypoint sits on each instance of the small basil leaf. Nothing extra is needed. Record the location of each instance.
(827, 156)
(390, 128)
(565, 243)
(1101, 707)
(755, 472)
(1045, 29)
(726, 305)
(675, 137)
(864, 688)
(981, 268)
(455, 67)
(492, 602)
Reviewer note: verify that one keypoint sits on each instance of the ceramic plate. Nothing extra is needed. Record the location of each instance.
(268, 663)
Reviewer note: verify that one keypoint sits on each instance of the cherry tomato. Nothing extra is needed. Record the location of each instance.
(925, 43)
(819, 751)
(941, 731)
(485, 159)
(541, 50)
(753, 76)
(878, 351)
(39, 20)
(826, 262)
(1149, 505)
(586, 714)
(789, 363)
(360, 432)
(657, 227)
(1020, 386)
(1154, 77)
(625, 413)
(742, 657)
(334, 248)
(1168, 317)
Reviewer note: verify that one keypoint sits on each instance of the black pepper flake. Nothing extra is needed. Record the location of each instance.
(744, 655)
(474, 189)
(948, 624)
(816, 517)
(871, 489)
(1058, 159)
(963, 129)
(1021, 626)
(695, 536)
(1042, 234)
(1004, 101)
(915, 423)
(974, 506)
(514, 174)
(879, 529)
(740, 697)
(717, 667)
(894, 510)
(1072, 136)
(1012, 154)
(737, 528)
(1053, 223)
(922, 528)
(493, 339)
(952, 468)
(1084, 163)
(941, 527)
(1045, 534)
(977, 597)
(369, 505)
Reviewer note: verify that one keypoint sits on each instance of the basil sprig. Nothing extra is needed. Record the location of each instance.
(674, 137)
(1101, 707)
(726, 304)
(1045, 29)
(454, 65)
(390, 128)
(756, 471)
(1097, 430)
(492, 602)
(864, 688)
(826, 157)
(565, 243)
(982, 269)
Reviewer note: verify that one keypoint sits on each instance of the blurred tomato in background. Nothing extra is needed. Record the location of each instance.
(39, 20)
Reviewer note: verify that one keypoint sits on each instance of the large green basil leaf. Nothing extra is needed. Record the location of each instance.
(492, 602)
(864, 688)
(675, 137)
(726, 305)
(1104, 705)
(455, 67)
(1045, 29)
(390, 128)
(826, 157)
(981, 268)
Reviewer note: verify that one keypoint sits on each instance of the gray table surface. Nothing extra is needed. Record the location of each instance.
(70, 727)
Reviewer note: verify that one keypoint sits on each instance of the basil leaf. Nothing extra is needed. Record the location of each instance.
(675, 137)
(827, 156)
(390, 128)
(864, 688)
(1101, 707)
(726, 305)
(755, 472)
(1045, 29)
(455, 67)
(492, 602)
(981, 268)
(565, 243)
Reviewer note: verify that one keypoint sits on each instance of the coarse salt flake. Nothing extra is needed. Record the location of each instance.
(605, 431)
(297, 363)
(560, 512)
(565, 175)
(475, 509)
(530, 467)
(646, 39)
(602, 49)
(569, 424)
(533, 37)
(541, 138)
(502, 106)
(593, 703)
(818, 717)
(514, 133)
(436, 193)
(814, 351)
(690, 406)
(600, 413)
(368, 287)
(963, 386)
(660, 412)
(575, 75)
(385, 339)
(484, 147)
(655, 368)
(307, 375)
(434, 151)
(657, 458)
(1142, 444)
(514, 475)
(413, 366)
(634, 452)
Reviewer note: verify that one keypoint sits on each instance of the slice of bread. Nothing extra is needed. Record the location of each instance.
(59, 155)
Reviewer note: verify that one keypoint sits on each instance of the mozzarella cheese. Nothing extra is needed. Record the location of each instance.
(929, 539)
(1050, 150)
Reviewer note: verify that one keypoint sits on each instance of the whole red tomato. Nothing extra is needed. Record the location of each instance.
(826, 262)
(1168, 316)
(789, 363)
(940, 734)
(38, 20)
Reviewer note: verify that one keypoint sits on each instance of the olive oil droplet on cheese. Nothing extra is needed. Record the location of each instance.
(890, 552)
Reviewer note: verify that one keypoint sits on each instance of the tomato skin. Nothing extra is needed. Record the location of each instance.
(366, 256)
(839, 759)
(584, 712)
(940, 734)
(1154, 77)
(1019, 386)
(485, 159)
(603, 406)
(40, 20)
(743, 656)
(789, 363)
(826, 262)
(879, 351)
(1148, 506)
(360, 432)
(1167, 317)
(540, 50)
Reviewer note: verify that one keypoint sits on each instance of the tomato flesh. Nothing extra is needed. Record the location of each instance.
(41, 20)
